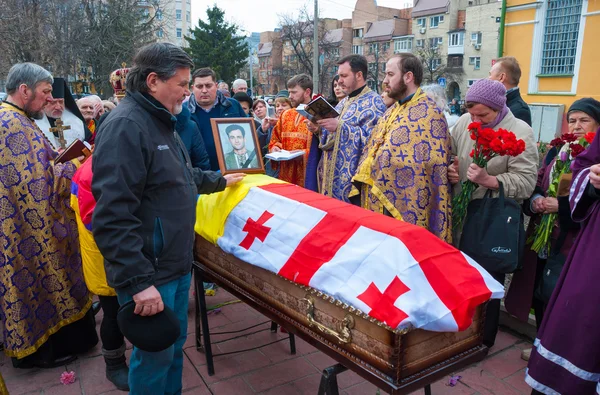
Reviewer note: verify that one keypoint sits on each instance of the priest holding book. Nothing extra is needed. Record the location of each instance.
(291, 133)
(44, 303)
(342, 139)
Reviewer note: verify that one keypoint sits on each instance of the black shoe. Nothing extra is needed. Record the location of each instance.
(96, 307)
(117, 372)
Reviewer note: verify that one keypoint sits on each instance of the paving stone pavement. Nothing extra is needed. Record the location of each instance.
(269, 370)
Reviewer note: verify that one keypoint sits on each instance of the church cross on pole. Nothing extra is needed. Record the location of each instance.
(60, 128)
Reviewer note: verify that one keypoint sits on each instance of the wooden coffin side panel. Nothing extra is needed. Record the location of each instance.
(422, 348)
(372, 346)
(395, 357)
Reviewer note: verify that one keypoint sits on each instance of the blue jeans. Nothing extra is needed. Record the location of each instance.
(161, 372)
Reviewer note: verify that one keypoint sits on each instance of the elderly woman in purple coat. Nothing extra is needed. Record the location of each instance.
(583, 117)
(566, 354)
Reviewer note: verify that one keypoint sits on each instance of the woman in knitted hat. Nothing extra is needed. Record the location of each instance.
(583, 117)
(486, 103)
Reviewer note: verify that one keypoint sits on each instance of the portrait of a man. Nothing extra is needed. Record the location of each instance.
(241, 156)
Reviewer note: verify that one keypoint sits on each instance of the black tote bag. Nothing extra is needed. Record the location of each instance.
(494, 233)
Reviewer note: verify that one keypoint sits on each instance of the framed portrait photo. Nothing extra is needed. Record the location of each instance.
(238, 149)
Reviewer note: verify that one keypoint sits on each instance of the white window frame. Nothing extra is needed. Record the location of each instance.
(160, 33)
(422, 22)
(358, 33)
(436, 63)
(179, 32)
(188, 16)
(403, 45)
(475, 61)
(476, 38)
(459, 38)
(357, 49)
(420, 43)
(436, 42)
(177, 15)
(438, 19)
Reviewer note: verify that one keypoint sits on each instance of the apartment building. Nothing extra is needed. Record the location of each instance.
(481, 39)
(175, 17)
(270, 55)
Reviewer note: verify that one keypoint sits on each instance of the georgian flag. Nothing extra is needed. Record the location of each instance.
(396, 272)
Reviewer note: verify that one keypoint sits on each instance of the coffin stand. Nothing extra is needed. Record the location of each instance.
(397, 361)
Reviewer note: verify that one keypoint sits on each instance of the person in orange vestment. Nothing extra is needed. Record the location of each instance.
(291, 132)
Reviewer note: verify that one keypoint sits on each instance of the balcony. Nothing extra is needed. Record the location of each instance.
(456, 50)
(456, 43)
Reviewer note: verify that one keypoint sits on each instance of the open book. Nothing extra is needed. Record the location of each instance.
(317, 109)
(283, 155)
(75, 150)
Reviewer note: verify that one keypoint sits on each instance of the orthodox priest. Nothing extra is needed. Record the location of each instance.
(404, 170)
(343, 138)
(291, 133)
(44, 302)
(63, 107)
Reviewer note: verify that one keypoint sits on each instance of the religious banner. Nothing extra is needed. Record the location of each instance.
(398, 273)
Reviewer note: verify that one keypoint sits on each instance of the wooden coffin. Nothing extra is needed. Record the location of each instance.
(398, 361)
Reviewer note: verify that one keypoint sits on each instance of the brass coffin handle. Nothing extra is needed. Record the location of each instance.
(344, 336)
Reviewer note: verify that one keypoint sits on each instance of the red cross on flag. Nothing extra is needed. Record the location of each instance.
(396, 272)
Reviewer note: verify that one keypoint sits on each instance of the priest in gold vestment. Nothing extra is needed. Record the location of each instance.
(44, 302)
(404, 169)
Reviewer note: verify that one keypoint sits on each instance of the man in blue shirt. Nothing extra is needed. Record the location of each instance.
(207, 102)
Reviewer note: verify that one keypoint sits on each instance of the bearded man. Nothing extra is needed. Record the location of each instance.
(404, 170)
(63, 106)
(343, 138)
(44, 302)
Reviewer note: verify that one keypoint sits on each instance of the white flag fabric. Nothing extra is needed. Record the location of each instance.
(396, 272)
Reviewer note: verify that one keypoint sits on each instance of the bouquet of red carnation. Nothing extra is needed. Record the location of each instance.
(489, 143)
(568, 148)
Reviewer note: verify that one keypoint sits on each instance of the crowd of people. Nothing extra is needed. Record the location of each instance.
(120, 224)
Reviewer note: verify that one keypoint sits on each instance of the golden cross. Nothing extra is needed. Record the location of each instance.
(60, 129)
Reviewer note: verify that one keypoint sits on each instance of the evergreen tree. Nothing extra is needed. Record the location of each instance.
(215, 44)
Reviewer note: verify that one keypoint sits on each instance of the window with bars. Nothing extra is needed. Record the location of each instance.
(560, 36)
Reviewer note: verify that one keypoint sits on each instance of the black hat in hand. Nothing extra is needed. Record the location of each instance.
(149, 333)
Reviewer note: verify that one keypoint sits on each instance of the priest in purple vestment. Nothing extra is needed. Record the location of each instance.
(566, 354)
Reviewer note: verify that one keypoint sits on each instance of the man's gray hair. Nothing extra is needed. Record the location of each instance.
(239, 82)
(436, 93)
(29, 74)
(164, 59)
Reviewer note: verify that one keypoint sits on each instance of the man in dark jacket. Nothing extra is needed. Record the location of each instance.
(192, 139)
(146, 191)
(508, 71)
(207, 103)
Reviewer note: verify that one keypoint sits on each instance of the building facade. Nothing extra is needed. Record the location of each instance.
(556, 43)
(175, 18)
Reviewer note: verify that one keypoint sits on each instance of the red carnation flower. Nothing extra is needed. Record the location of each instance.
(589, 137)
(474, 126)
(557, 142)
(569, 137)
(472, 154)
(576, 149)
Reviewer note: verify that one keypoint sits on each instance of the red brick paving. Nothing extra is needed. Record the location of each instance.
(269, 370)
